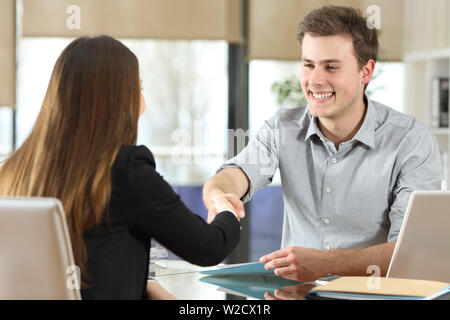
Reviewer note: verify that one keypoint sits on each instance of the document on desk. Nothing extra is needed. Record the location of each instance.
(373, 288)
(255, 268)
(249, 280)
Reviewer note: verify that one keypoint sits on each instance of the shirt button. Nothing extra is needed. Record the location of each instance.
(327, 221)
(328, 247)
(334, 160)
(328, 189)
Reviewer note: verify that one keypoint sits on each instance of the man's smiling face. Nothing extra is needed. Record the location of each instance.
(330, 76)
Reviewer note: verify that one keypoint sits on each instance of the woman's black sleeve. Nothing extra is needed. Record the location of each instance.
(155, 208)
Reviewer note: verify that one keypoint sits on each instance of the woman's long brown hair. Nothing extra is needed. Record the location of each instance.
(90, 110)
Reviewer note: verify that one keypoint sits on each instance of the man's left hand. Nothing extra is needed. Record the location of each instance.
(297, 292)
(297, 263)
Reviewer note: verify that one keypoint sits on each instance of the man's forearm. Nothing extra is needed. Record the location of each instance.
(231, 180)
(355, 262)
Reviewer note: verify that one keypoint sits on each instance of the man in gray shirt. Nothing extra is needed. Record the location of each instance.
(348, 165)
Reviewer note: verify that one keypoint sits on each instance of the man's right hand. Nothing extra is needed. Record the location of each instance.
(220, 202)
(224, 190)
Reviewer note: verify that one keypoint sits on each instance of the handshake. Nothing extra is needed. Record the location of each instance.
(223, 192)
(218, 201)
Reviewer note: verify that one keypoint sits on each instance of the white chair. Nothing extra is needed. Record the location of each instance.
(36, 260)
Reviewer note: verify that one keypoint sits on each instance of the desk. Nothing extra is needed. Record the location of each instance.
(181, 279)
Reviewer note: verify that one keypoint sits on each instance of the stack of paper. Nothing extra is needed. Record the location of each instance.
(355, 288)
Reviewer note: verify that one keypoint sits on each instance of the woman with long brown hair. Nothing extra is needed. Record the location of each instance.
(82, 150)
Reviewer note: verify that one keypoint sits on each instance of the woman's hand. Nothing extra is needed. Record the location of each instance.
(156, 292)
(225, 202)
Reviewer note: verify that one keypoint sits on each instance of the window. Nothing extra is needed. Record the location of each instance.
(387, 87)
(36, 59)
(186, 92)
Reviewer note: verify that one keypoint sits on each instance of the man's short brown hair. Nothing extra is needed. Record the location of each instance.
(333, 20)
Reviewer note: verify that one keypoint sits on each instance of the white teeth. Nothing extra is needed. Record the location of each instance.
(322, 96)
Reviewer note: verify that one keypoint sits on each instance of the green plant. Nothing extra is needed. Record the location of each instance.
(289, 92)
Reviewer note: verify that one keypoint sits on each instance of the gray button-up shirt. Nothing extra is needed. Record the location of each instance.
(354, 197)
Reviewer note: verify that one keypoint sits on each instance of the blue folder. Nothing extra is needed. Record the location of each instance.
(251, 279)
(256, 268)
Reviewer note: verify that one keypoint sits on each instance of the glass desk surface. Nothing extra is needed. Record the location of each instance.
(182, 280)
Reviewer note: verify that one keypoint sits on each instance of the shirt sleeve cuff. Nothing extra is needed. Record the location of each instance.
(233, 212)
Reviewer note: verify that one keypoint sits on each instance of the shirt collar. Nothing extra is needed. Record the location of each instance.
(312, 128)
(365, 134)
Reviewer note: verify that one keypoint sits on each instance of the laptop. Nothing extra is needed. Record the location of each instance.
(423, 245)
(36, 259)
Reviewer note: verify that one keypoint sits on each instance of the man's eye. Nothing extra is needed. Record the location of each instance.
(308, 65)
(332, 67)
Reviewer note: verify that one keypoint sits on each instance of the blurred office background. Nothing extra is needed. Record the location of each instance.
(209, 66)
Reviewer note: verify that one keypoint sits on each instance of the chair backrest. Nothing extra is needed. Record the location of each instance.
(36, 259)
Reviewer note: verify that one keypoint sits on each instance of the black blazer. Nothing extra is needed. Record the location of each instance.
(144, 206)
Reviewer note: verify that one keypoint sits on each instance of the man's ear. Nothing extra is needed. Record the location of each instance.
(367, 71)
